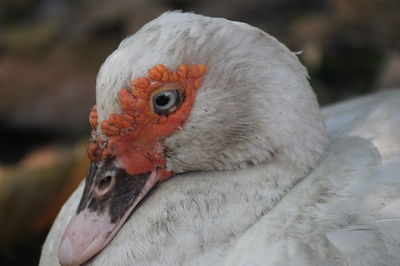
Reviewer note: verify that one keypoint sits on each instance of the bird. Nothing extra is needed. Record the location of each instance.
(208, 147)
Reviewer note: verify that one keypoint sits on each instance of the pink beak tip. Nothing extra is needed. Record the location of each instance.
(66, 254)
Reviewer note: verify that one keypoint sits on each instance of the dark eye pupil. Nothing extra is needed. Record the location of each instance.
(162, 100)
(165, 101)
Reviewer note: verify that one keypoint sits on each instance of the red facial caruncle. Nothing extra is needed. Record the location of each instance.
(127, 158)
(135, 135)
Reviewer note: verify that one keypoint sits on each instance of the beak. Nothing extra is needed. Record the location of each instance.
(109, 196)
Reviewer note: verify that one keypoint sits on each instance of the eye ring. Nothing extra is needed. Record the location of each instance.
(165, 101)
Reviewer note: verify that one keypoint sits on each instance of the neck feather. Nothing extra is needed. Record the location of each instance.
(195, 218)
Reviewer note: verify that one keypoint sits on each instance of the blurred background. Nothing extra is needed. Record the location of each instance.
(51, 50)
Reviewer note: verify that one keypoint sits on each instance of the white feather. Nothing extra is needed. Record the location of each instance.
(263, 195)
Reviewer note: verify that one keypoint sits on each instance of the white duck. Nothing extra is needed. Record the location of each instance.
(252, 176)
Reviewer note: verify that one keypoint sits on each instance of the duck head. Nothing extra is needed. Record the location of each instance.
(189, 93)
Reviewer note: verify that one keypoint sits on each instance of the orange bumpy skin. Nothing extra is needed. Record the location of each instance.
(93, 117)
(134, 136)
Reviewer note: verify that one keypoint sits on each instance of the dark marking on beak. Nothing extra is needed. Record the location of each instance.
(109, 188)
(109, 197)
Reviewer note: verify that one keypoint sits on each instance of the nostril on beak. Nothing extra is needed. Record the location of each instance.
(104, 186)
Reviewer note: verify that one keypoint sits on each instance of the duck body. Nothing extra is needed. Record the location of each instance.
(259, 179)
(346, 212)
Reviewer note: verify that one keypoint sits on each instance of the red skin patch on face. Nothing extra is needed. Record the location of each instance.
(135, 135)
(93, 117)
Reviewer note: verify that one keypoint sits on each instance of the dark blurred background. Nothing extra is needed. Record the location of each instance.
(51, 50)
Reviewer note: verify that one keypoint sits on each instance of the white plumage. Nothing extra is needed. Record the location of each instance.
(257, 184)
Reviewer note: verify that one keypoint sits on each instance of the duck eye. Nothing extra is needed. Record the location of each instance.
(165, 101)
